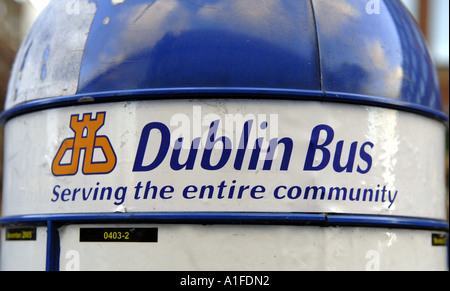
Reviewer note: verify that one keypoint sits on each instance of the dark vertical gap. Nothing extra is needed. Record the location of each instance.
(316, 26)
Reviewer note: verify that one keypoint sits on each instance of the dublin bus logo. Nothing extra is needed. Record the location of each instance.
(99, 156)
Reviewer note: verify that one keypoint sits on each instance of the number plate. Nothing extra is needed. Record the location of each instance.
(130, 234)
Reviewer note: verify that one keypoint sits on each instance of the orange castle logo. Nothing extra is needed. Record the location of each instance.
(87, 140)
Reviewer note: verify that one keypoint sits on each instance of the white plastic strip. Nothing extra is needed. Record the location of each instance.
(214, 155)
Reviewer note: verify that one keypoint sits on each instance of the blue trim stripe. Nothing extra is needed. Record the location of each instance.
(385, 103)
(240, 218)
(53, 247)
(391, 222)
(233, 93)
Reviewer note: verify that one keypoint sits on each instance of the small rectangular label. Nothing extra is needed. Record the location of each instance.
(438, 239)
(122, 234)
(19, 234)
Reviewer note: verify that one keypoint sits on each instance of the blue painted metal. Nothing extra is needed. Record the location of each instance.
(382, 55)
(157, 44)
(333, 47)
(235, 93)
(313, 219)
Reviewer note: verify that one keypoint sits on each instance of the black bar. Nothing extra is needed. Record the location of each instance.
(20, 234)
(119, 234)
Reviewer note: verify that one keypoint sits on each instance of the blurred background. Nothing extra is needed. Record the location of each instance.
(16, 17)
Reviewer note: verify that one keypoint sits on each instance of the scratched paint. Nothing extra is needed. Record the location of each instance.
(49, 60)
